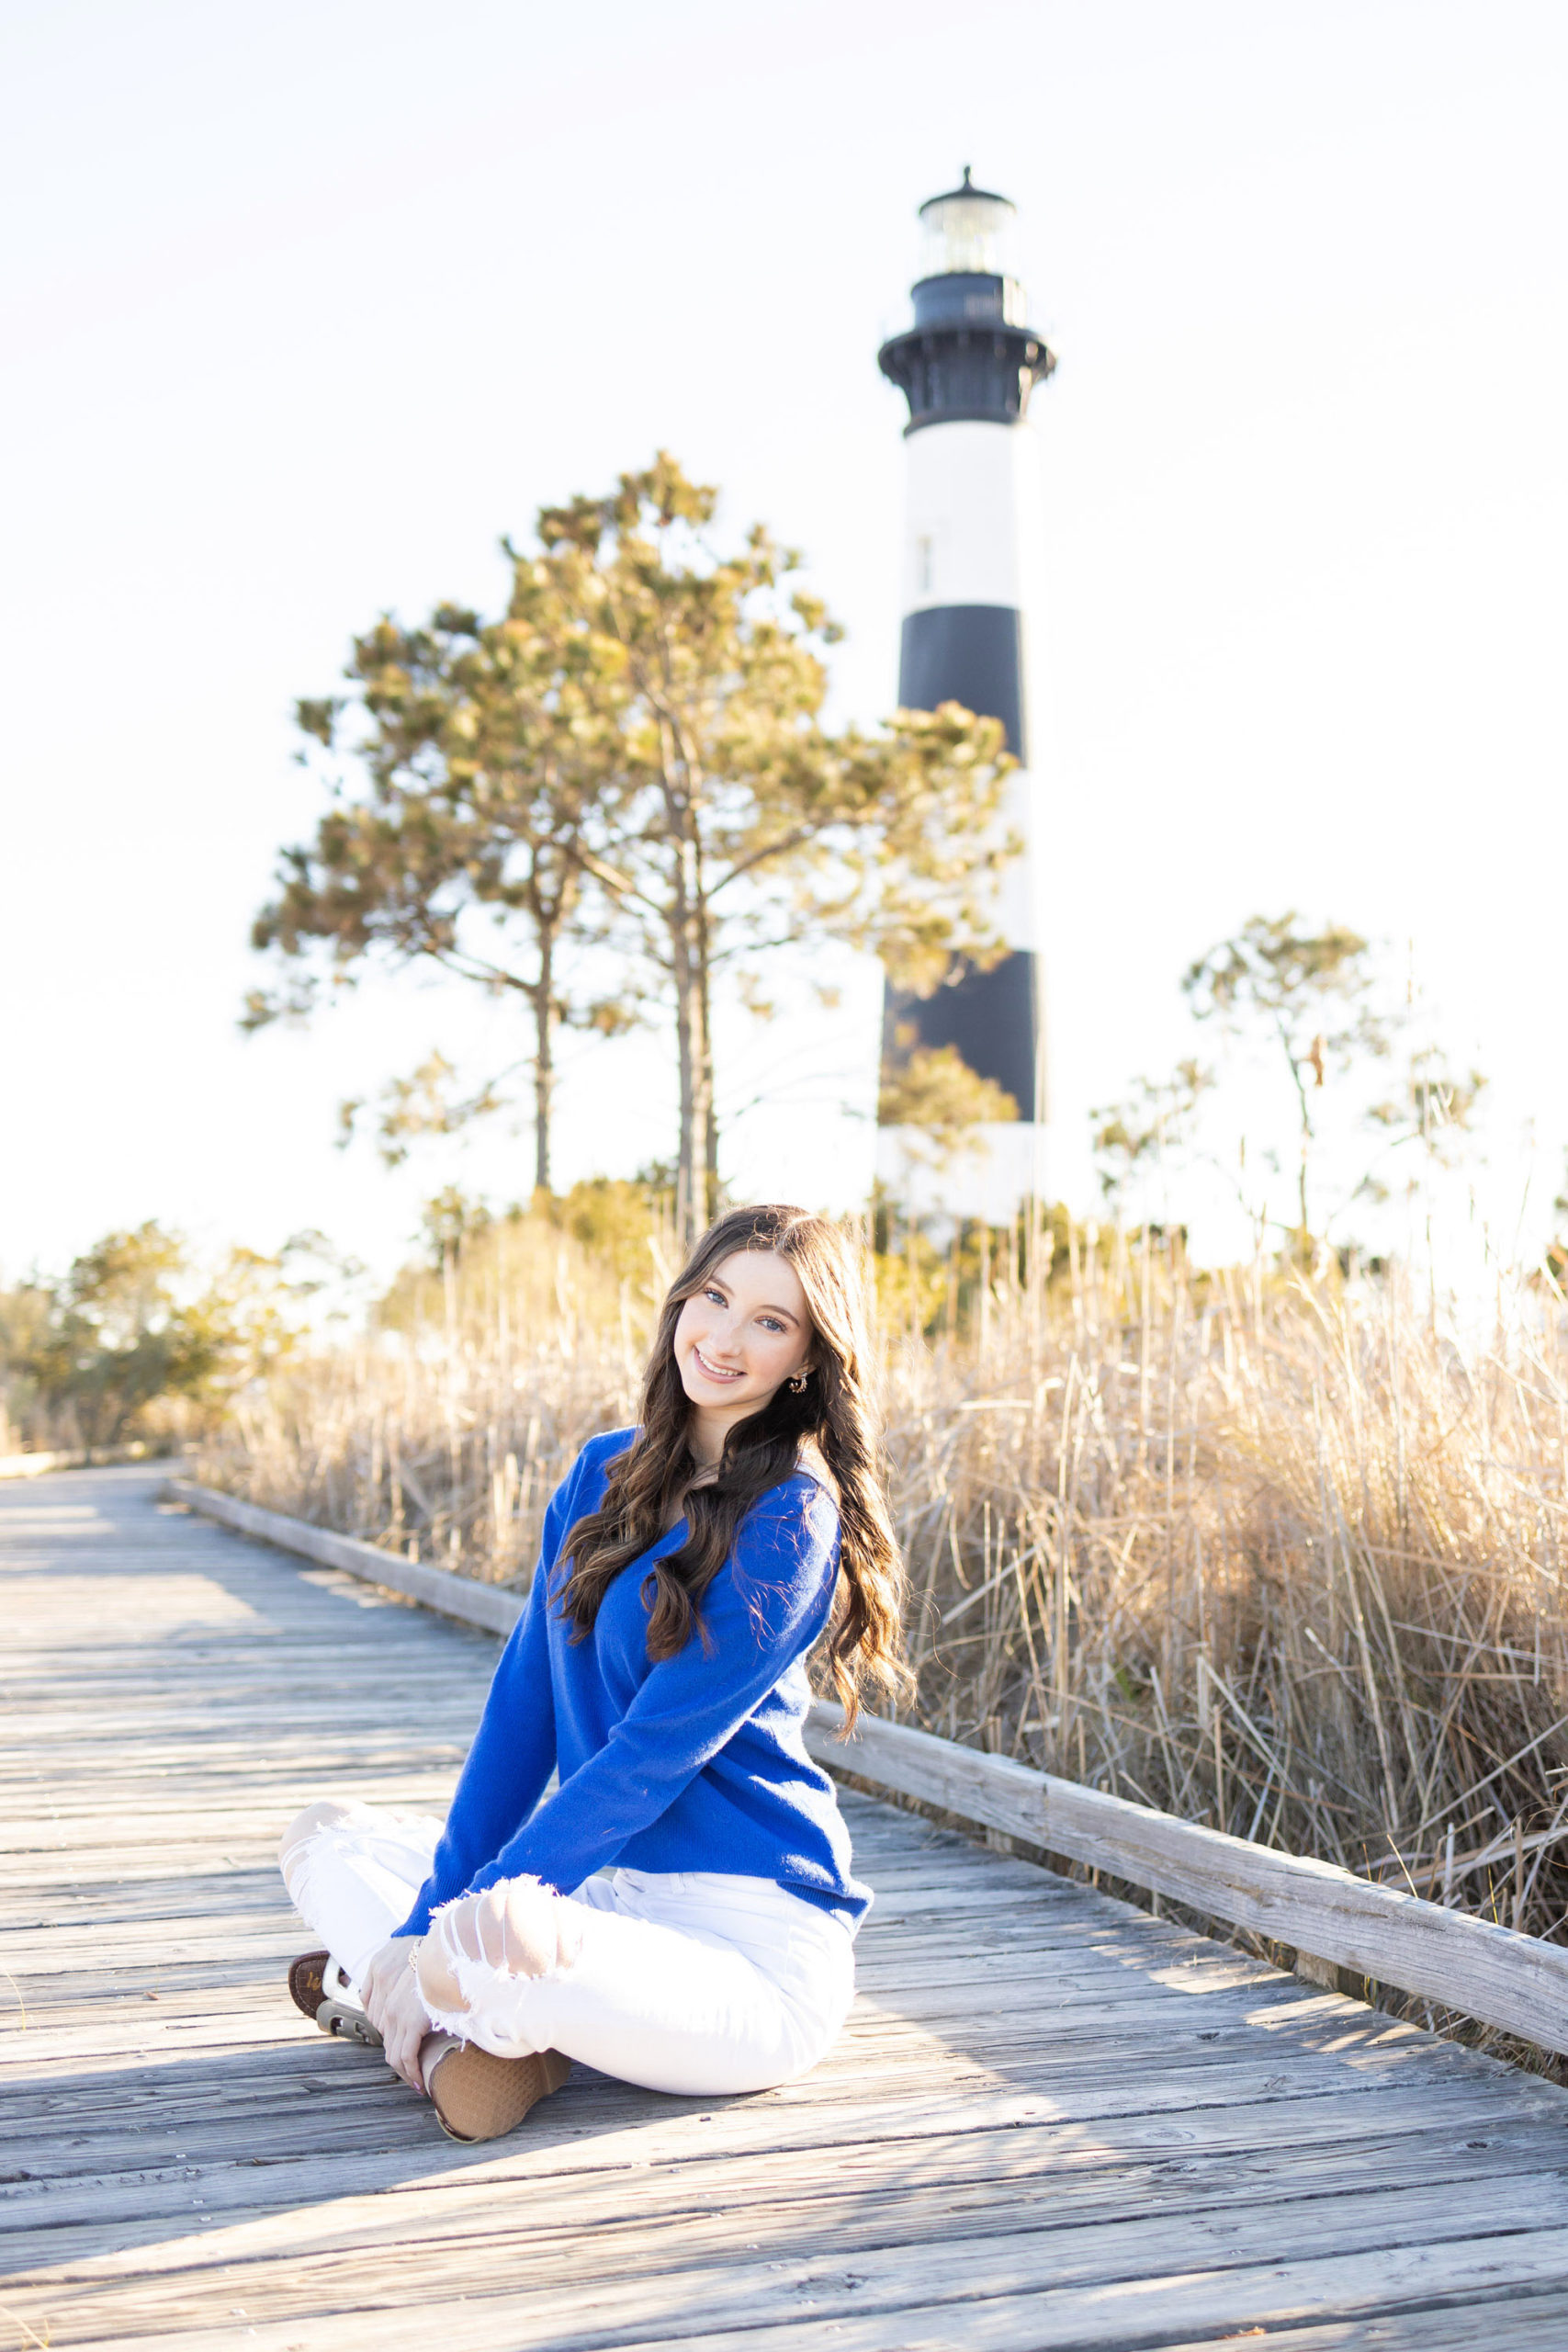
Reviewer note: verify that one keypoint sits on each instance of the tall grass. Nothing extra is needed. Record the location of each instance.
(442, 1433)
(1279, 1553)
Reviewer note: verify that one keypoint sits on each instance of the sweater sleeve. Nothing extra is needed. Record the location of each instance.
(513, 1752)
(762, 1611)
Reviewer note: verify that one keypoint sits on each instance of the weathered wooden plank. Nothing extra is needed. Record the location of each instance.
(792, 2306)
(260, 2088)
(1207, 2155)
(1533, 2323)
(947, 2193)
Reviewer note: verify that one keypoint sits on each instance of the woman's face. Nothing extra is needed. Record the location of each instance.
(739, 1338)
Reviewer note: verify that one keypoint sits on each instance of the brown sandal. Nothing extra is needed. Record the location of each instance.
(306, 1982)
(479, 2096)
(308, 1990)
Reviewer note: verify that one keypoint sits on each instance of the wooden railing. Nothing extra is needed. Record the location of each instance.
(1330, 1918)
(1327, 1915)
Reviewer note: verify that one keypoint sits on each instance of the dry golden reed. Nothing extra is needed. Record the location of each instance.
(1281, 1554)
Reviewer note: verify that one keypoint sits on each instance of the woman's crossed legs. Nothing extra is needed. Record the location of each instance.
(691, 1981)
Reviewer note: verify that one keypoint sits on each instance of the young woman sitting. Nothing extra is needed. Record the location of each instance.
(679, 1912)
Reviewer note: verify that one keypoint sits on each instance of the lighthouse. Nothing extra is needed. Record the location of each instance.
(973, 548)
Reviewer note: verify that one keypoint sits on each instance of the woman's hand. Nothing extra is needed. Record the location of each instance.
(394, 2006)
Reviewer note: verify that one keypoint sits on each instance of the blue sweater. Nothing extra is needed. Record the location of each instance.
(697, 1763)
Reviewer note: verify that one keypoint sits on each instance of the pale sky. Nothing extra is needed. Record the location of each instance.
(305, 305)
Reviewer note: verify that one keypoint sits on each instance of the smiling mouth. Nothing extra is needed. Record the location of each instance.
(712, 1370)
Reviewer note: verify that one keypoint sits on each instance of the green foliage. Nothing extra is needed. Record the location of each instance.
(128, 1337)
(741, 824)
(942, 1280)
(932, 1092)
(451, 1223)
(605, 1248)
(1310, 993)
(109, 1338)
(1317, 1005)
(627, 1226)
(1434, 1108)
(484, 767)
(631, 759)
(429, 1101)
(1157, 1116)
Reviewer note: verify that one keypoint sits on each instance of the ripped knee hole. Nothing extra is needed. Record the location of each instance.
(518, 1928)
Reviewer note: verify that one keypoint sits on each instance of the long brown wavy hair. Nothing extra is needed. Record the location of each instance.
(863, 1645)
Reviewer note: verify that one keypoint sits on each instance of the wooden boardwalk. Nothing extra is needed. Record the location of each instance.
(1051, 2121)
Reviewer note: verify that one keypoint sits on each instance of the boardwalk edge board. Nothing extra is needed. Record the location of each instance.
(1326, 1915)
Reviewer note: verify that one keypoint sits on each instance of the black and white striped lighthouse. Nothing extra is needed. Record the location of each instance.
(973, 548)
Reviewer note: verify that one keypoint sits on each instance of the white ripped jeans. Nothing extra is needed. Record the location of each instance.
(685, 1981)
